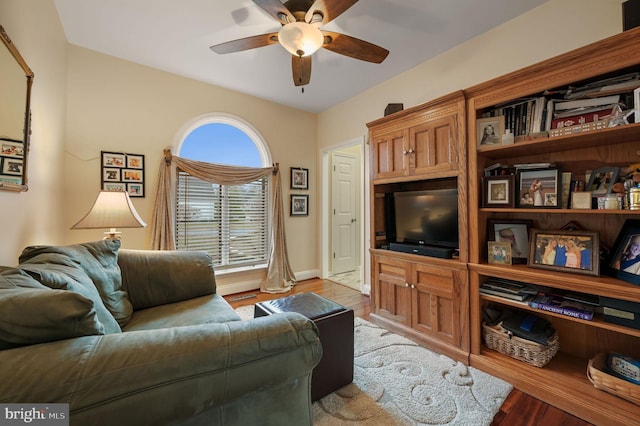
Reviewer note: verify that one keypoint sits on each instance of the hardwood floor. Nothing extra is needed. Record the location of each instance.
(519, 409)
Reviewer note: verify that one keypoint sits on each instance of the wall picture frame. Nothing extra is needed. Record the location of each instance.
(299, 178)
(489, 131)
(498, 191)
(624, 261)
(539, 188)
(575, 252)
(512, 231)
(122, 172)
(299, 205)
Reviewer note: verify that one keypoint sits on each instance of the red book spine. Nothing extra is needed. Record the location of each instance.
(574, 120)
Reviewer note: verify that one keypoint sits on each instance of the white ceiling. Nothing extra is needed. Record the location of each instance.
(175, 36)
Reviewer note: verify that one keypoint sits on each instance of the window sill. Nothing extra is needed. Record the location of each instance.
(231, 271)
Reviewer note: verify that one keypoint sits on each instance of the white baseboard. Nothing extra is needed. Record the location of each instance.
(250, 285)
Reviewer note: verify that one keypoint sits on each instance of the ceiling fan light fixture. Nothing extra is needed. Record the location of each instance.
(300, 38)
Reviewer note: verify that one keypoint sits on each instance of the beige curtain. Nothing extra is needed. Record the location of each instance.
(279, 278)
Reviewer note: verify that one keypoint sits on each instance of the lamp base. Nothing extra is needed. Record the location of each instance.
(112, 234)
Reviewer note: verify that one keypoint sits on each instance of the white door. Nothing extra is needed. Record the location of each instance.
(344, 196)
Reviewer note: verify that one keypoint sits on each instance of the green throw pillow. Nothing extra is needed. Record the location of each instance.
(72, 278)
(99, 260)
(32, 313)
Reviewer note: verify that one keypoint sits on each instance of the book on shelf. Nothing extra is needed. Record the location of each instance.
(515, 297)
(618, 84)
(559, 305)
(509, 289)
(589, 102)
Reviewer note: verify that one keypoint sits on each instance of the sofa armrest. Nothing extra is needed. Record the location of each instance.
(162, 376)
(155, 277)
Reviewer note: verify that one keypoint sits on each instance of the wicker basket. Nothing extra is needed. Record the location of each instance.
(533, 353)
(608, 383)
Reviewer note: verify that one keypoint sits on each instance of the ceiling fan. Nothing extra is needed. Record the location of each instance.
(301, 35)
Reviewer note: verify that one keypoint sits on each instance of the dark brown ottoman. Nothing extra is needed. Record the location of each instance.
(335, 325)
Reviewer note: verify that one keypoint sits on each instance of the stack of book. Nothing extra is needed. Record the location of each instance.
(509, 289)
(570, 304)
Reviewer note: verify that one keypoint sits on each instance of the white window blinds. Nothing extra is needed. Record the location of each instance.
(230, 222)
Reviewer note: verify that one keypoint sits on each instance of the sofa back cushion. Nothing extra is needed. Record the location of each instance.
(70, 278)
(154, 277)
(32, 313)
(99, 260)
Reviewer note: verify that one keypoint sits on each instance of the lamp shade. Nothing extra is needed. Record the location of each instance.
(300, 38)
(111, 210)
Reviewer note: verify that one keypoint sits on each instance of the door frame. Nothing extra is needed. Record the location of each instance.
(363, 212)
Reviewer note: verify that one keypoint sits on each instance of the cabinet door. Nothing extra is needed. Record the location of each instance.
(390, 154)
(433, 146)
(392, 293)
(435, 303)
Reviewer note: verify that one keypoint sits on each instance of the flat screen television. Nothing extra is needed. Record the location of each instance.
(428, 217)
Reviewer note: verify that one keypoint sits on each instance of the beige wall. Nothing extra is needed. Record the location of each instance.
(116, 105)
(35, 216)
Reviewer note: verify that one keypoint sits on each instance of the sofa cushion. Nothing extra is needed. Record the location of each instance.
(32, 313)
(71, 278)
(200, 310)
(99, 260)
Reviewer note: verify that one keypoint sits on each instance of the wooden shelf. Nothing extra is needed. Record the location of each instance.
(562, 383)
(594, 139)
(562, 211)
(599, 286)
(596, 322)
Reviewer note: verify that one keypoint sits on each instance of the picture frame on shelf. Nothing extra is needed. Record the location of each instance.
(299, 205)
(499, 253)
(123, 172)
(490, 130)
(512, 231)
(498, 191)
(299, 178)
(539, 188)
(625, 255)
(601, 180)
(581, 200)
(576, 252)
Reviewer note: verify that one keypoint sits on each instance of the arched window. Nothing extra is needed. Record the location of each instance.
(230, 222)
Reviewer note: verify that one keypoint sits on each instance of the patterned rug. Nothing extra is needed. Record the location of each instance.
(398, 382)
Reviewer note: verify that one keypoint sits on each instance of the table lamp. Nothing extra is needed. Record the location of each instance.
(112, 209)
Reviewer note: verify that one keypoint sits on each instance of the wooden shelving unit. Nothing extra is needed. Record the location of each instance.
(563, 382)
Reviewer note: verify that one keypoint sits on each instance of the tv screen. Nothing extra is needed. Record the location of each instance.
(428, 217)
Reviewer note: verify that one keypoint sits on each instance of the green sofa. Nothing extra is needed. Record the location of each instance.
(134, 337)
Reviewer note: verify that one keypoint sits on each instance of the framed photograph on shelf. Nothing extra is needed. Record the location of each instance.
(490, 130)
(625, 255)
(576, 252)
(512, 231)
(299, 178)
(123, 172)
(498, 191)
(601, 180)
(499, 253)
(299, 205)
(539, 188)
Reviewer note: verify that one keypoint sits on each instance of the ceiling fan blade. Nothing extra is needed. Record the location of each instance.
(301, 67)
(329, 9)
(245, 43)
(276, 9)
(354, 47)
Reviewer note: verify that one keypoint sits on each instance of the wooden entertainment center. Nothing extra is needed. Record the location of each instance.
(437, 301)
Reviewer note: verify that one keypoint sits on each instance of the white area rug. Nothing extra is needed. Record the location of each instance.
(398, 382)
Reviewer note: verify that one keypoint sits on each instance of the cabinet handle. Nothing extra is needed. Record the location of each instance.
(406, 284)
(404, 152)
(411, 151)
(413, 286)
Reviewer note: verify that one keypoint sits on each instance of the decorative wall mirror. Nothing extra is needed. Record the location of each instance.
(15, 116)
